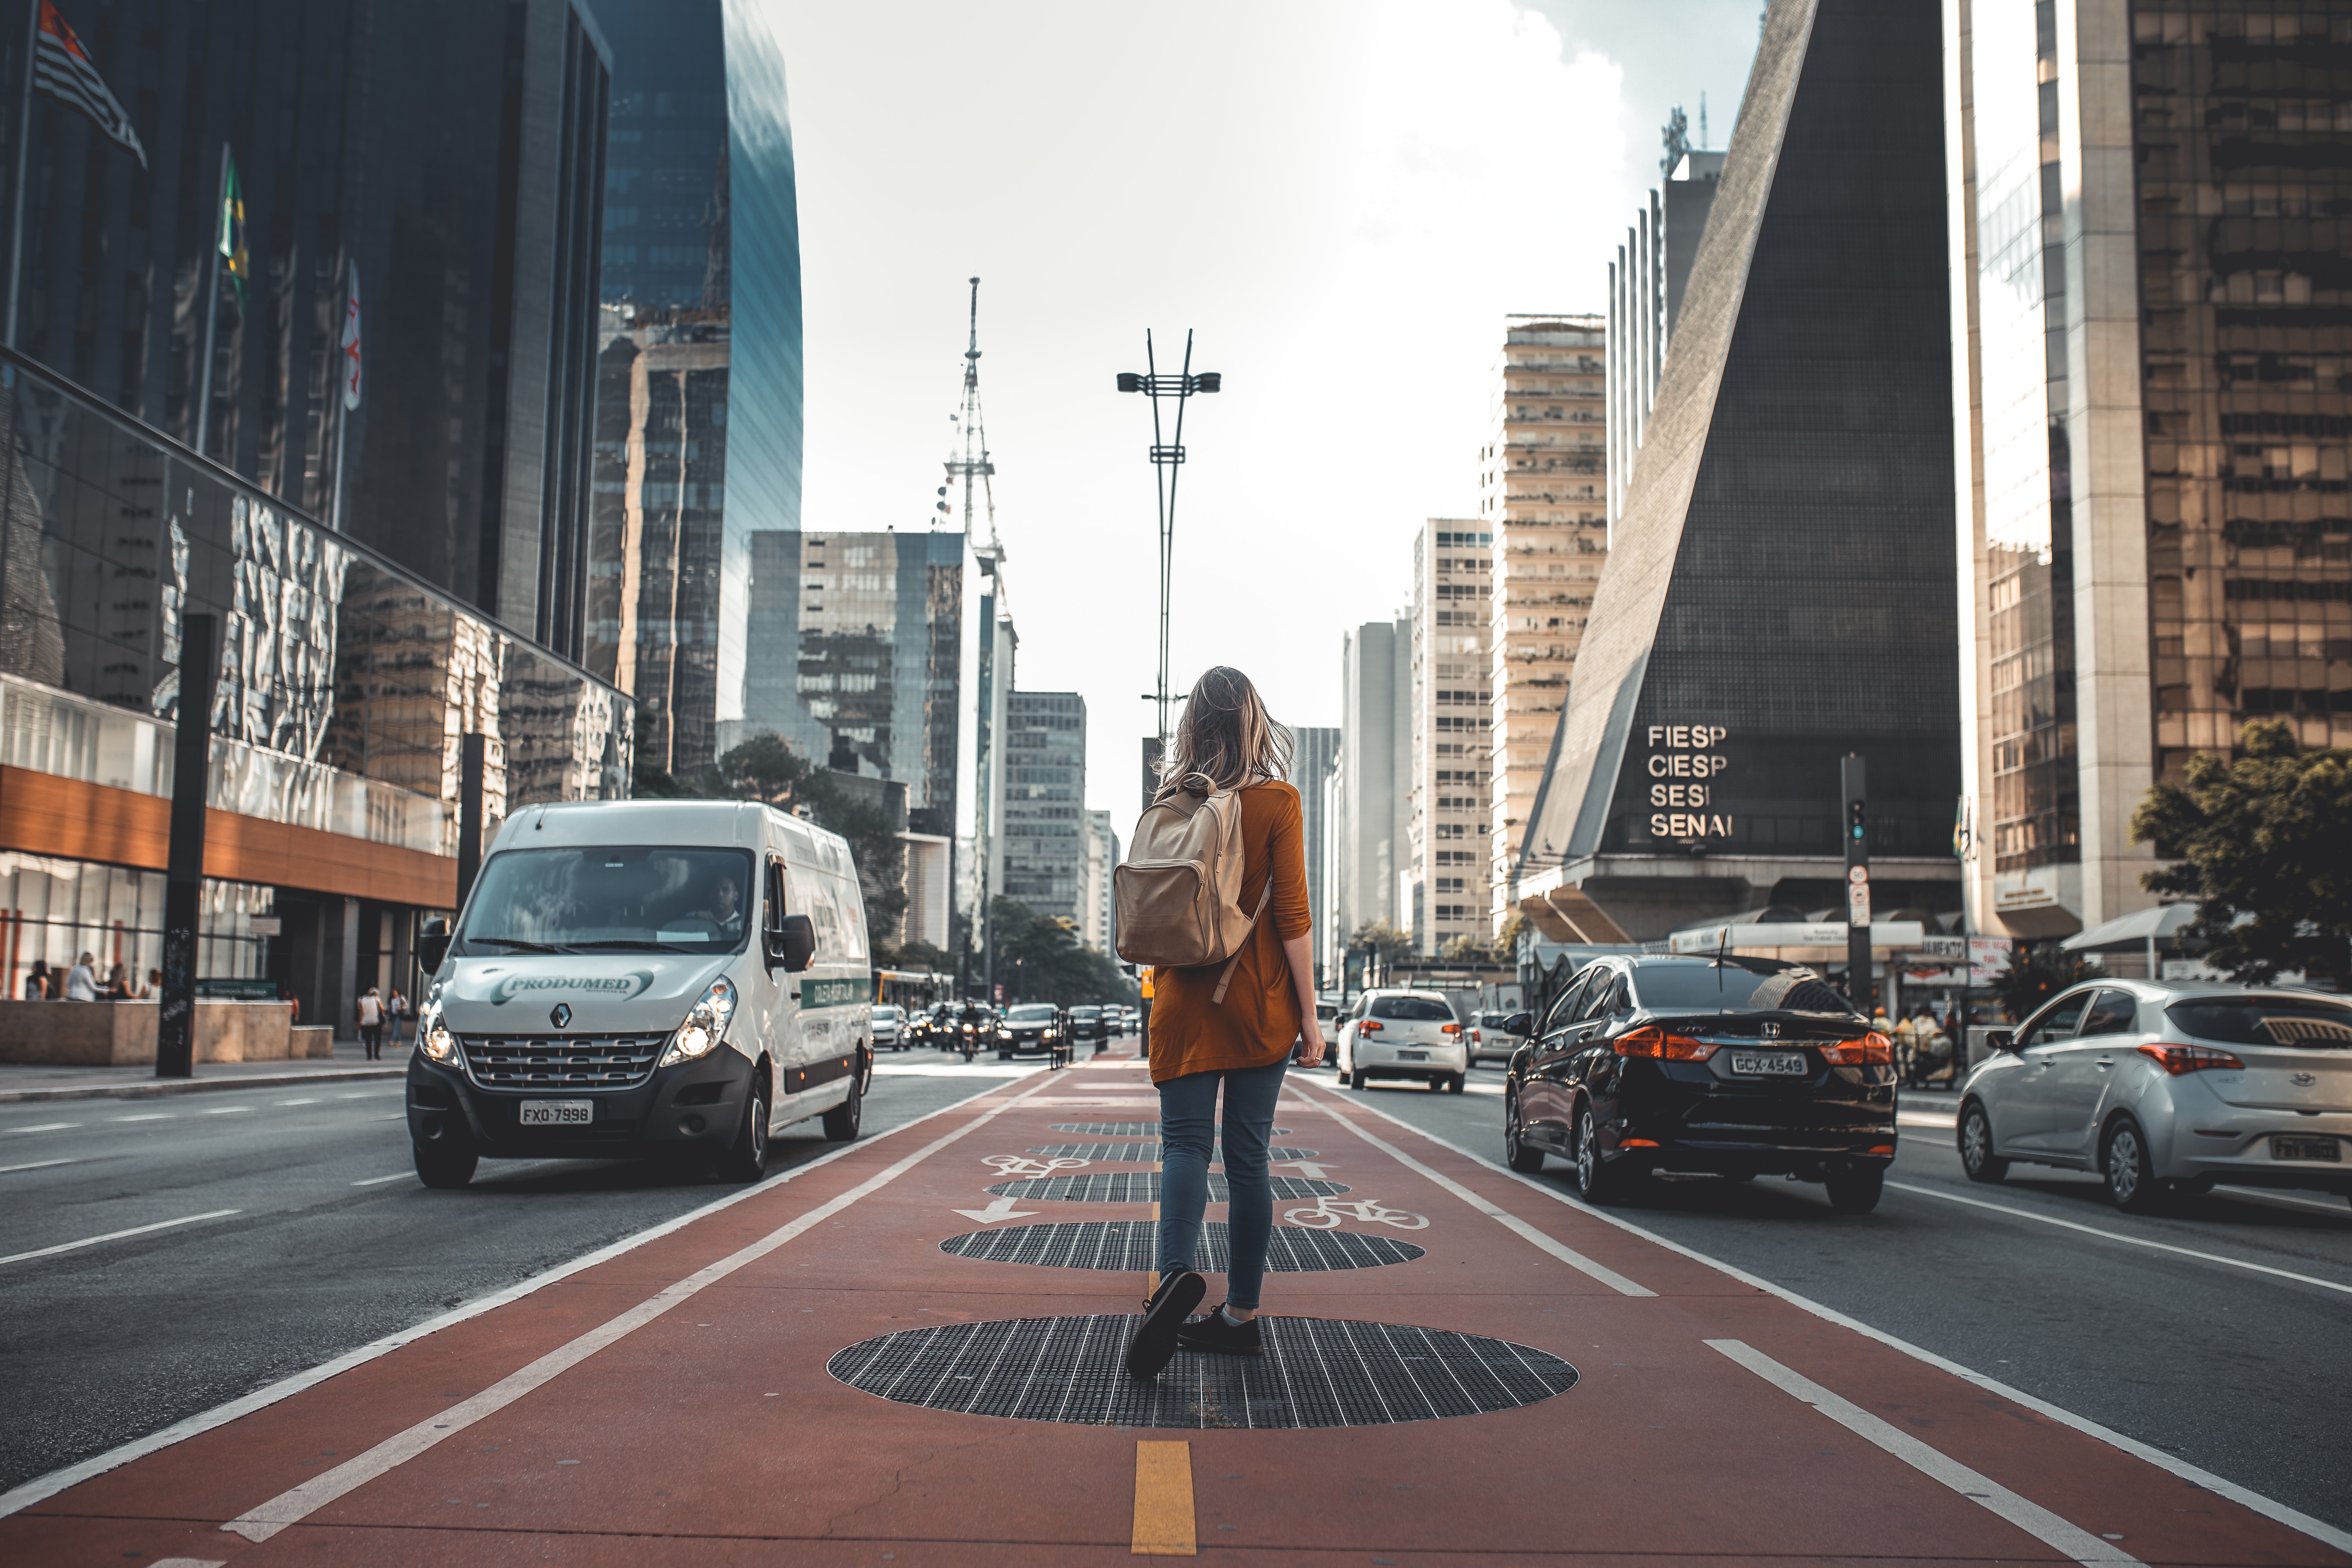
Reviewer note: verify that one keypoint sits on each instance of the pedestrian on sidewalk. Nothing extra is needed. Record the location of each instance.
(371, 1011)
(396, 1010)
(1199, 1043)
(37, 982)
(81, 979)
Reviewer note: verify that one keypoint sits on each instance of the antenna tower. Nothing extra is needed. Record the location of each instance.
(974, 464)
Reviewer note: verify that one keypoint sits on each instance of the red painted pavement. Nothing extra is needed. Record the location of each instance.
(713, 1435)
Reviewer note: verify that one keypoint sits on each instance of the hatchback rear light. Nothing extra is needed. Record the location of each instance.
(1449, 1028)
(2178, 1059)
(1652, 1041)
(1874, 1049)
(1369, 1027)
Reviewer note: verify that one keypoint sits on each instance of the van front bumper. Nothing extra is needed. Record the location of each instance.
(694, 1107)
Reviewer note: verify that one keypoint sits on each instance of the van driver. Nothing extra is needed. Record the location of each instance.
(725, 908)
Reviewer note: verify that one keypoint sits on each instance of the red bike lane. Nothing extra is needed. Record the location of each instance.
(1463, 1370)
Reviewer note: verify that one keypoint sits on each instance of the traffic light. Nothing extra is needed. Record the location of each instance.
(1854, 828)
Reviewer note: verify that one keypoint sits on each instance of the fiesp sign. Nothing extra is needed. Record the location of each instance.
(1683, 765)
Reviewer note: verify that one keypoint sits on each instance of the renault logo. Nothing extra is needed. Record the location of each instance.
(560, 1015)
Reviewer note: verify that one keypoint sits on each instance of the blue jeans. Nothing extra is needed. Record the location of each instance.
(1188, 1123)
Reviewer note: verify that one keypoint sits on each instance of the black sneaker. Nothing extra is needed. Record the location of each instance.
(1218, 1335)
(1153, 1343)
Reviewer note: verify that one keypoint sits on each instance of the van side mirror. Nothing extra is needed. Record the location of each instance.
(794, 945)
(432, 945)
(1519, 1023)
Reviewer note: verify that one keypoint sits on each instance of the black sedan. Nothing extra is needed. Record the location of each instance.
(1087, 1024)
(1033, 1026)
(1734, 1066)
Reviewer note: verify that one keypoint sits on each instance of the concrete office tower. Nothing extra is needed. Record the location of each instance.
(454, 163)
(1645, 295)
(1447, 797)
(1314, 756)
(1100, 928)
(1375, 777)
(1044, 836)
(699, 374)
(1782, 586)
(1541, 496)
(2155, 541)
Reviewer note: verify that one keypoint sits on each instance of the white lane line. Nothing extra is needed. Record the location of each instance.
(224, 1110)
(149, 1116)
(40, 1488)
(379, 1181)
(2172, 1464)
(115, 1236)
(2029, 1516)
(1925, 1119)
(297, 1503)
(312, 1101)
(2126, 1240)
(36, 1165)
(47, 1127)
(1509, 1221)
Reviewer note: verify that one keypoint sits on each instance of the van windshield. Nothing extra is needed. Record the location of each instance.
(636, 897)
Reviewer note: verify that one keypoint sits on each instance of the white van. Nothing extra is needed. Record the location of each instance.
(644, 977)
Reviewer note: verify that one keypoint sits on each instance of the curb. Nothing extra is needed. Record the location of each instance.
(156, 1088)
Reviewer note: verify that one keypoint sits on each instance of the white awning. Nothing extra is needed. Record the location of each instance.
(2160, 923)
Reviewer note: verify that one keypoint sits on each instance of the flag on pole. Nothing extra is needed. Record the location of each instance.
(352, 340)
(232, 225)
(62, 68)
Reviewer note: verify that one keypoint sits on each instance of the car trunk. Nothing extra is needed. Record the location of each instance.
(2286, 1077)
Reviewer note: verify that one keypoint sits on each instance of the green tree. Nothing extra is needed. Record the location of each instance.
(1038, 958)
(2037, 974)
(1381, 938)
(2264, 842)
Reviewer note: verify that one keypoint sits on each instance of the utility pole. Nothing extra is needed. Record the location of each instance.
(184, 877)
(974, 470)
(1853, 784)
(1166, 458)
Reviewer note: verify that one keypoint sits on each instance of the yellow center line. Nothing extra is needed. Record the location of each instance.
(1163, 1501)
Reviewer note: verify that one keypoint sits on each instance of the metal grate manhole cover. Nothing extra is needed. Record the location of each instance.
(1132, 1245)
(1316, 1373)
(1127, 1129)
(1140, 1153)
(1141, 1187)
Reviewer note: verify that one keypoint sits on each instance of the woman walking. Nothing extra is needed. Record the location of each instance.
(1241, 1044)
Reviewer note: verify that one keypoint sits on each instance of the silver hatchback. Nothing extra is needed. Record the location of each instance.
(2166, 1087)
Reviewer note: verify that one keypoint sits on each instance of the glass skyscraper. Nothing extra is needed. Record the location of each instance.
(698, 431)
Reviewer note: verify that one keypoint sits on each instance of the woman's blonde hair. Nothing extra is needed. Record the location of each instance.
(1225, 739)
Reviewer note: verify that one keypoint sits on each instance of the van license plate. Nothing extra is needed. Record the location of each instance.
(558, 1112)
(1789, 1065)
(2307, 1149)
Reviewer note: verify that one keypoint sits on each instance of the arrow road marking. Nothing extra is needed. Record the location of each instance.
(1001, 1209)
(1306, 1168)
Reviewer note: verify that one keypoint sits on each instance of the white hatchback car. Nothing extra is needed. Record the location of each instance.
(2167, 1089)
(1404, 1034)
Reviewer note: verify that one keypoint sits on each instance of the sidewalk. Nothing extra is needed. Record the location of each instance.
(910, 1354)
(20, 1082)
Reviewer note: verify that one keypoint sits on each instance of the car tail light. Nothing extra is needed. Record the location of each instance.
(1369, 1027)
(1874, 1049)
(1637, 1142)
(1450, 1029)
(1652, 1041)
(2178, 1059)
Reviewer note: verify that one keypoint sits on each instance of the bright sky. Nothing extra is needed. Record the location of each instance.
(1342, 197)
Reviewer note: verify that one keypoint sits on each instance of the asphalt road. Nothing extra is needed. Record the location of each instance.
(293, 1229)
(2246, 1374)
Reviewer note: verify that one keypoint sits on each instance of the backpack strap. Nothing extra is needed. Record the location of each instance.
(1225, 975)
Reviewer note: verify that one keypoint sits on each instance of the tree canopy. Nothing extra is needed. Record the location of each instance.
(1040, 959)
(2264, 842)
(2035, 974)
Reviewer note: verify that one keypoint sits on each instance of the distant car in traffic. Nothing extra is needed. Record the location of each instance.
(890, 1027)
(1734, 1066)
(1087, 1024)
(1407, 1034)
(1487, 1040)
(2166, 1087)
(1029, 1029)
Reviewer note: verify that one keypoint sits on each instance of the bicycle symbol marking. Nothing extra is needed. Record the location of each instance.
(1327, 1212)
(1020, 1166)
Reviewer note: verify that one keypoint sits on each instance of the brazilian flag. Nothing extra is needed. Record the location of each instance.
(232, 226)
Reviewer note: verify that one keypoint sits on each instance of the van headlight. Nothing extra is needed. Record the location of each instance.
(705, 1025)
(432, 1035)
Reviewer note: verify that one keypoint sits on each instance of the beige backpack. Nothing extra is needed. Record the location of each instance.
(1179, 892)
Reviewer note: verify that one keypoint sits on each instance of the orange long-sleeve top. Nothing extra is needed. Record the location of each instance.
(1258, 1020)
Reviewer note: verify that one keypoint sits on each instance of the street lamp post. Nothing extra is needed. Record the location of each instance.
(1167, 457)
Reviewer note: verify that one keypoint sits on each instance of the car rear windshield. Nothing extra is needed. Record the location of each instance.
(1735, 985)
(886, 1014)
(1085, 1012)
(1040, 1015)
(1412, 1010)
(2310, 1022)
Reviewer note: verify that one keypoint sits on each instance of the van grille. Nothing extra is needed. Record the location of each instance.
(562, 1061)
